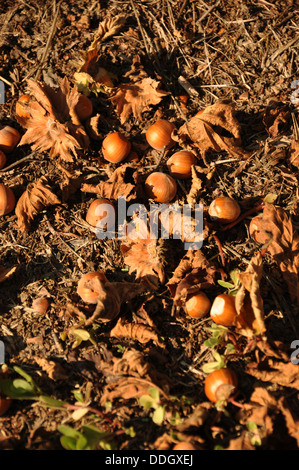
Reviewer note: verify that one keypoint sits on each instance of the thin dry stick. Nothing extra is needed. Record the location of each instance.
(13, 165)
(141, 28)
(50, 37)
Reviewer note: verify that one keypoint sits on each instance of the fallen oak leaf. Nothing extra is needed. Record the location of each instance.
(35, 198)
(214, 129)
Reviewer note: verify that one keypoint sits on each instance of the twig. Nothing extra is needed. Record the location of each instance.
(141, 28)
(22, 160)
(50, 37)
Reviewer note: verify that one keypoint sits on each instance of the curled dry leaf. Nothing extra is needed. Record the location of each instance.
(7, 273)
(36, 197)
(197, 418)
(133, 364)
(70, 183)
(111, 296)
(125, 389)
(108, 27)
(242, 442)
(294, 153)
(136, 332)
(53, 369)
(249, 303)
(52, 122)
(91, 77)
(196, 186)
(193, 274)
(276, 118)
(275, 365)
(275, 224)
(263, 410)
(123, 183)
(214, 129)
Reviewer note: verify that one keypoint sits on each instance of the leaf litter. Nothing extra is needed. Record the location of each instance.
(131, 344)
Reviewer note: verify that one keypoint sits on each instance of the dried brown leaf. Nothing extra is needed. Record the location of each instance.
(125, 388)
(111, 296)
(214, 129)
(133, 364)
(53, 369)
(275, 365)
(292, 422)
(277, 225)
(249, 303)
(7, 273)
(193, 274)
(145, 256)
(276, 118)
(52, 123)
(136, 332)
(263, 410)
(35, 198)
(71, 182)
(136, 98)
(108, 27)
(241, 442)
(124, 183)
(294, 153)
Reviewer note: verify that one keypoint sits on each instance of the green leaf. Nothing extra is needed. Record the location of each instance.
(175, 419)
(158, 415)
(82, 443)
(230, 348)
(130, 431)
(78, 396)
(18, 389)
(226, 285)
(68, 431)
(68, 443)
(211, 343)
(51, 402)
(147, 402)
(270, 198)
(234, 276)
(24, 374)
(154, 393)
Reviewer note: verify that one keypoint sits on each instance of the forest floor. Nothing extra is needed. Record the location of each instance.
(136, 381)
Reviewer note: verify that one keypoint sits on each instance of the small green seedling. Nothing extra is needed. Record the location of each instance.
(152, 401)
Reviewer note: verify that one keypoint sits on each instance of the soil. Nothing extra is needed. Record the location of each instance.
(241, 51)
